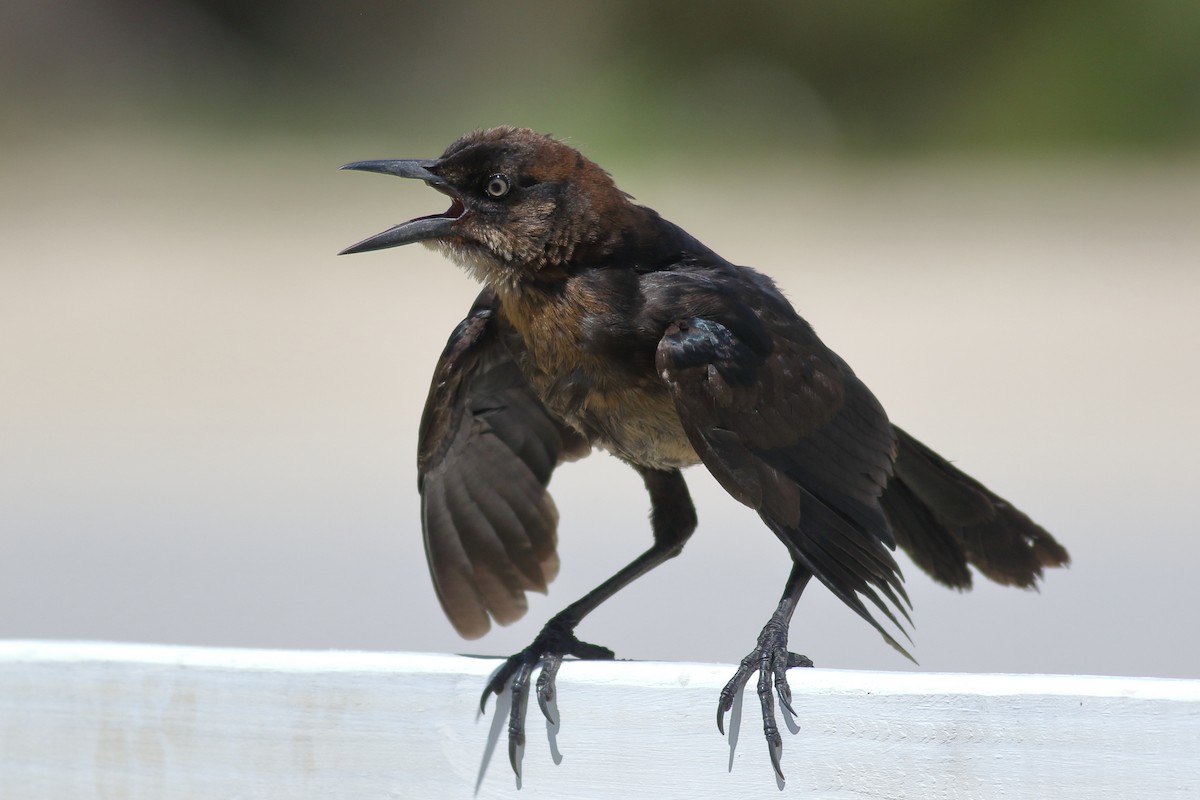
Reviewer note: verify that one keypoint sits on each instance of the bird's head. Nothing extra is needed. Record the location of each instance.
(523, 205)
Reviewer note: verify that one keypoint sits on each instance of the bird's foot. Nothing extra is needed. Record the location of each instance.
(771, 660)
(556, 640)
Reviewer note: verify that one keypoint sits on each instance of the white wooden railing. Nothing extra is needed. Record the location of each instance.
(90, 720)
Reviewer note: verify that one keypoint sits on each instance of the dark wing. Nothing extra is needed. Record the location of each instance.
(487, 449)
(787, 429)
(944, 519)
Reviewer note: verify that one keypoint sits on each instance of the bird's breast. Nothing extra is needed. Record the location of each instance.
(597, 374)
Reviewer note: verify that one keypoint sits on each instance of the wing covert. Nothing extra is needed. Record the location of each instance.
(791, 432)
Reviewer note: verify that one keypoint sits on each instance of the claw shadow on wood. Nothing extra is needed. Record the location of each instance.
(552, 725)
(789, 720)
(500, 712)
(735, 726)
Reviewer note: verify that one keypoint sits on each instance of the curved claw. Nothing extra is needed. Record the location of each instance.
(735, 686)
(785, 698)
(776, 749)
(488, 691)
(782, 688)
(726, 703)
(516, 748)
(497, 681)
(545, 686)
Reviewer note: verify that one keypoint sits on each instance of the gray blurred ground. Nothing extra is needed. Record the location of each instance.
(208, 421)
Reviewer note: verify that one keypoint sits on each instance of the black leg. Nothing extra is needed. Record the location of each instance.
(673, 518)
(771, 659)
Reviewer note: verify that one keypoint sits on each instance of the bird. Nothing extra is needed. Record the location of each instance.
(601, 325)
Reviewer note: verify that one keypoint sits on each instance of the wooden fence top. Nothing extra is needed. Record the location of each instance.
(82, 720)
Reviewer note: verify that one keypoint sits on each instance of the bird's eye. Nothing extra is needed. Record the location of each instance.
(498, 186)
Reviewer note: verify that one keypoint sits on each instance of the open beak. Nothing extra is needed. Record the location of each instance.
(420, 229)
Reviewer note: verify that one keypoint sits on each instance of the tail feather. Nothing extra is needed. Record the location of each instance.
(945, 519)
(918, 532)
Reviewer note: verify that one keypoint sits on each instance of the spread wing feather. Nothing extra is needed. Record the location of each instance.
(487, 450)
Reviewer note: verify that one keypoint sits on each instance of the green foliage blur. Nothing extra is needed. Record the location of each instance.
(842, 77)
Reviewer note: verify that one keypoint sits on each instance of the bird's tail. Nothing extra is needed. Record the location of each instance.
(944, 519)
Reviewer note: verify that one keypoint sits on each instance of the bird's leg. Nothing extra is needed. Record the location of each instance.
(673, 518)
(771, 659)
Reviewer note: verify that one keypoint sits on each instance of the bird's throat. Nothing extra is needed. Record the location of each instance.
(478, 263)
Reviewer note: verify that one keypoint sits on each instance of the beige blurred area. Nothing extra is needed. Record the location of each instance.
(208, 419)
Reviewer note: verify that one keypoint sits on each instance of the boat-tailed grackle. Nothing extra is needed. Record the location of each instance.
(601, 324)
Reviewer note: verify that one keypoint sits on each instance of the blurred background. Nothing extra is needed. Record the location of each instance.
(208, 420)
